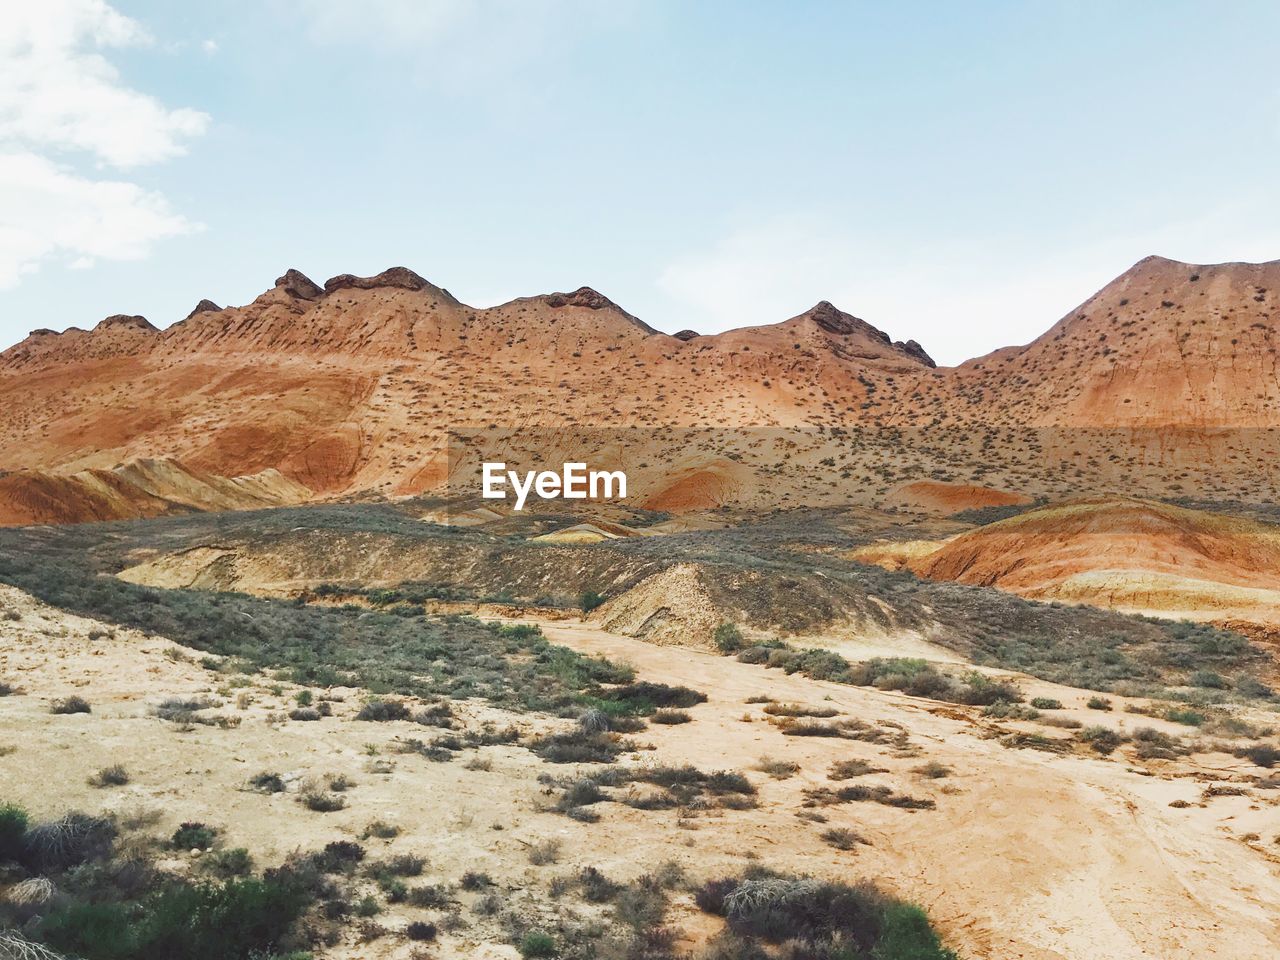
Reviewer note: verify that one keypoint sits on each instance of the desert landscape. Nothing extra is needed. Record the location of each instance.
(876, 659)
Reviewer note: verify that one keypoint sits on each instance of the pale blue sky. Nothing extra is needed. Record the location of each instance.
(961, 174)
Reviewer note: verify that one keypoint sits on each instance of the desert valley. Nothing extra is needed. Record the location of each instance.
(876, 659)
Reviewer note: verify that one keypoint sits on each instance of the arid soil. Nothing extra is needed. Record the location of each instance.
(1027, 854)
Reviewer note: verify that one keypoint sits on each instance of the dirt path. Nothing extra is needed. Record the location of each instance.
(1028, 854)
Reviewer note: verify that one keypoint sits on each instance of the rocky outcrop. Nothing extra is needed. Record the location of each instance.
(204, 306)
(401, 277)
(123, 320)
(913, 349)
(297, 284)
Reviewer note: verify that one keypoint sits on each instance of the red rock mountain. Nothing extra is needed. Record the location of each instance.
(1166, 343)
(348, 387)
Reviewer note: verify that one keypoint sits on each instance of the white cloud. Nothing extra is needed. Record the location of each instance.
(61, 97)
(50, 211)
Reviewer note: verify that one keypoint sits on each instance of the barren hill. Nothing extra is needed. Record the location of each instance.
(1123, 553)
(1165, 343)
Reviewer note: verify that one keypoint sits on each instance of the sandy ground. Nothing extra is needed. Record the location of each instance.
(1027, 855)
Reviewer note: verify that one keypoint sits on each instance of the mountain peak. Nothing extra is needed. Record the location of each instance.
(297, 284)
(834, 320)
(204, 306)
(591, 300)
(127, 321)
(401, 277)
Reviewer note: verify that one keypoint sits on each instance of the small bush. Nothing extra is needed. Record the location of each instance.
(577, 747)
(544, 852)
(669, 717)
(68, 841)
(380, 829)
(113, 776)
(338, 856)
(1101, 739)
(225, 864)
(537, 945)
(848, 769)
(193, 836)
(933, 770)
(267, 783)
(842, 838)
(1046, 703)
(728, 638)
(316, 798)
(381, 711)
(1192, 718)
(475, 880)
(1098, 703)
(589, 600)
(778, 769)
(581, 793)
(798, 710)
(68, 705)
(420, 930)
(404, 865)
(428, 897)
(643, 697)
(13, 827)
(1209, 680)
(1263, 755)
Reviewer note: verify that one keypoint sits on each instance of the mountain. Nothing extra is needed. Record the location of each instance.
(349, 387)
(1165, 343)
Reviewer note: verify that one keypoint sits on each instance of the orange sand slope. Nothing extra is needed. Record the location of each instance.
(1127, 554)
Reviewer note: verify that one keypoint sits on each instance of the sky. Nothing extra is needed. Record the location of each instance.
(958, 174)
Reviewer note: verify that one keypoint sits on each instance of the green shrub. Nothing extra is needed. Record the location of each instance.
(536, 945)
(208, 921)
(225, 864)
(906, 934)
(728, 638)
(832, 919)
(193, 836)
(218, 921)
(589, 600)
(1046, 703)
(1098, 703)
(94, 931)
(13, 828)
(1192, 718)
(643, 698)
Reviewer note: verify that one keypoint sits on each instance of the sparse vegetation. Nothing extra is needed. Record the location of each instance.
(833, 918)
(69, 705)
(113, 776)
